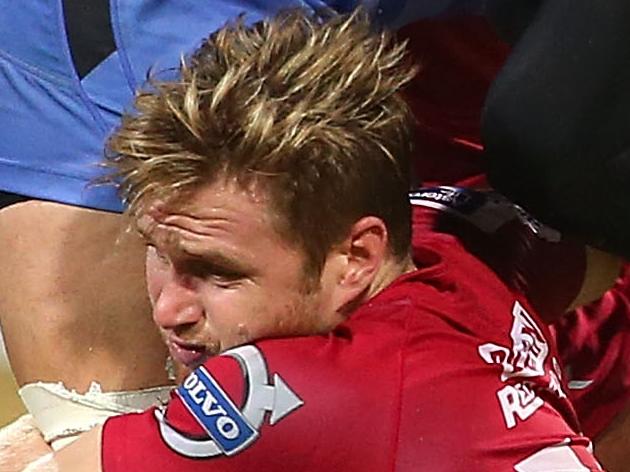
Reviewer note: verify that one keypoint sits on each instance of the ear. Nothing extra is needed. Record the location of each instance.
(357, 262)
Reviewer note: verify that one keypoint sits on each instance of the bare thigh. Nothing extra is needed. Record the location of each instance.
(73, 304)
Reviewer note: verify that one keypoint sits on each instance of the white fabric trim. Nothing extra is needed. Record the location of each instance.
(62, 414)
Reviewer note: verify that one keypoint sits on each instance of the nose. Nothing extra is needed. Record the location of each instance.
(177, 305)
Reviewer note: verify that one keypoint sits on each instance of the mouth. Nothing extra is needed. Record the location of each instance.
(189, 354)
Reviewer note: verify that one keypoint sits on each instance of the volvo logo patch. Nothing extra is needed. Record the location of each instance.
(230, 430)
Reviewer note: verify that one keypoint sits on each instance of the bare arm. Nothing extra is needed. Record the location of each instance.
(612, 446)
(83, 455)
(602, 269)
(84, 283)
(20, 444)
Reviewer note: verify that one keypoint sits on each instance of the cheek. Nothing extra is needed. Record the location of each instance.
(239, 312)
(287, 312)
(156, 276)
(226, 306)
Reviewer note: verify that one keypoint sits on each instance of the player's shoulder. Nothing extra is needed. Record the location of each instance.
(307, 403)
(494, 247)
(306, 395)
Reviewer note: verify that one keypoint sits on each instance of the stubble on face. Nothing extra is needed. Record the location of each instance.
(279, 298)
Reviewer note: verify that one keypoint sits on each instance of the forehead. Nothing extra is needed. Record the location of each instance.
(222, 211)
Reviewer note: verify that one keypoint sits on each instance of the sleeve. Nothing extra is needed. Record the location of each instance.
(273, 406)
(215, 419)
(490, 403)
(556, 127)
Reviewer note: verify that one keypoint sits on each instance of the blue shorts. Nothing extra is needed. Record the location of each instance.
(55, 122)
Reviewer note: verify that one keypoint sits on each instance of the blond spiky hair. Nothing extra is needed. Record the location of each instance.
(309, 107)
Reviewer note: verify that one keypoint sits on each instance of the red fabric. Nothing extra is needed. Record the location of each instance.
(550, 274)
(595, 346)
(459, 58)
(400, 386)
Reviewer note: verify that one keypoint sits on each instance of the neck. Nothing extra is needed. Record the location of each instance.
(388, 272)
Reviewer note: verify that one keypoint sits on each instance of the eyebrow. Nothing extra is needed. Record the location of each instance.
(217, 259)
(212, 258)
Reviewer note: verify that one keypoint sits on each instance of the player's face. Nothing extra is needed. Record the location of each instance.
(219, 275)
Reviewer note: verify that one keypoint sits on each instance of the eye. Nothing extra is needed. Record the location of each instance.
(225, 283)
(220, 276)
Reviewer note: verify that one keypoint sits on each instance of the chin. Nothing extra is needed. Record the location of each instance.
(181, 372)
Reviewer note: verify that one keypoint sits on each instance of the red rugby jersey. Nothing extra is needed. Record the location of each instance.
(460, 57)
(447, 369)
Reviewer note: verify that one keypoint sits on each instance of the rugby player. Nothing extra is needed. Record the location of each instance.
(270, 184)
(78, 292)
(123, 346)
